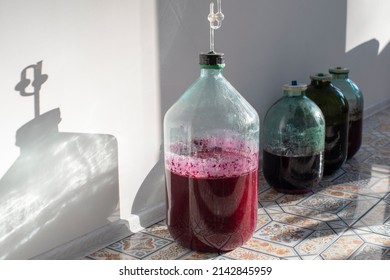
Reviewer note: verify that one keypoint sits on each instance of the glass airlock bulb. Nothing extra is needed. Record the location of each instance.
(215, 20)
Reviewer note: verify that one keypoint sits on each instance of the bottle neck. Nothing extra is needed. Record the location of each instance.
(319, 83)
(209, 72)
(287, 93)
(342, 76)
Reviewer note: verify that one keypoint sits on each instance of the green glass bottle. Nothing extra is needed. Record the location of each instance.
(294, 142)
(334, 107)
(354, 96)
(211, 150)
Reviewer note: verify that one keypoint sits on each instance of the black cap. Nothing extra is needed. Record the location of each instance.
(212, 60)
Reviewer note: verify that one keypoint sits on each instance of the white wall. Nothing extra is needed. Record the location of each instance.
(102, 61)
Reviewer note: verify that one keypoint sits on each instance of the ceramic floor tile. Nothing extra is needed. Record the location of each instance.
(368, 138)
(361, 231)
(356, 179)
(343, 248)
(359, 225)
(381, 153)
(316, 242)
(245, 254)
(378, 215)
(381, 229)
(139, 245)
(339, 194)
(370, 252)
(360, 156)
(270, 248)
(377, 239)
(269, 195)
(358, 167)
(159, 231)
(341, 231)
(311, 213)
(337, 224)
(222, 258)
(262, 220)
(271, 207)
(356, 209)
(300, 221)
(325, 203)
(293, 258)
(380, 171)
(378, 160)
(382, 186)
(193, 255)
(386, 255)
(170, 252)
(282, 233)
(357, 191)
(108, 254)
(292, 199)
(368, 148)
(380, 142)
(309, 258)
(387, 198)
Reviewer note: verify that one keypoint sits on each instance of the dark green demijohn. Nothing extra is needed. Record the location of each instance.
(294, 142)
(354, 96)
(335, 109)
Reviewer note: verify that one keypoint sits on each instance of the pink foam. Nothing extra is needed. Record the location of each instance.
(212, 158)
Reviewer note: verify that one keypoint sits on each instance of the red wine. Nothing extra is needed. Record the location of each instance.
(354, 137)
(292, 174)
(212, 214)
(212, 193)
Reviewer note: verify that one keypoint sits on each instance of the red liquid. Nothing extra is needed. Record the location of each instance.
(354, 137)
(293, 174)
(212, 214)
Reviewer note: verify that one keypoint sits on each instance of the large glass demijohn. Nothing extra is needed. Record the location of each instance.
(211, 146)
(334, 107)
(294, 142)
(354, 96)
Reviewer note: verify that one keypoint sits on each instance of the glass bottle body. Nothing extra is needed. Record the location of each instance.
(355, 99)
(211, 142)
(294, 137)
(334, 107)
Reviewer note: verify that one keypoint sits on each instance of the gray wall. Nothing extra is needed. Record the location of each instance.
(267, 43)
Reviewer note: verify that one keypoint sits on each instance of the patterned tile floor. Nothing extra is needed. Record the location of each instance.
(347, 217)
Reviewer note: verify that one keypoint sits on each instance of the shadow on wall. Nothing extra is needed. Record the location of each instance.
(370, 70)
(151, 192)
(62, 185)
